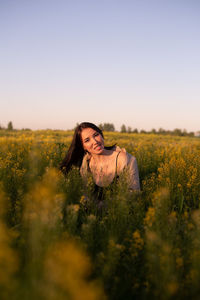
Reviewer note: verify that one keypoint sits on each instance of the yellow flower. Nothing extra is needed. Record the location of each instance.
(42, 202)
(150, 217)
(83, 200)
(151, 236)
(67, 269)
(73, 207)
(190, 226)
(179, 262)
(8, 257)
(186, 215)
(172, 287)
(172, 217)
(138, 241)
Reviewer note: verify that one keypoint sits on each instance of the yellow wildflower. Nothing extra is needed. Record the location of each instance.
(73, 207)
(150, 217)
(138, 241)
(190, 226)
(172, 287)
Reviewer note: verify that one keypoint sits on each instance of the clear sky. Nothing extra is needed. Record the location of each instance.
(135, 62)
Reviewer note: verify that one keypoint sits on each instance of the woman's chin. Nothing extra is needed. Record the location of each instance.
(99, 150)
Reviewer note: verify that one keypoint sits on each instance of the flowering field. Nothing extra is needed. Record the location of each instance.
(56, 244)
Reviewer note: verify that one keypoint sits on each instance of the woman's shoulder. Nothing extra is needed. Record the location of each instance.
(84, 165)
(122, 152)
(124, 157)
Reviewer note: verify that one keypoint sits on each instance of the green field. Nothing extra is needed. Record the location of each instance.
(56, 244)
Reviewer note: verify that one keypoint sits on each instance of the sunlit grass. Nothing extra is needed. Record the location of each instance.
(55, 242)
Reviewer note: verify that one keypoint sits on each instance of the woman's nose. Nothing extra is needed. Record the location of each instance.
(94, 139)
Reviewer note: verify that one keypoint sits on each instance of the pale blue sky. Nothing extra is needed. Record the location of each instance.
(122, 61)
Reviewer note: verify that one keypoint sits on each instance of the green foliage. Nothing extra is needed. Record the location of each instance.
(123, 128)
(107, 127)
(10, 126)
(55, 236)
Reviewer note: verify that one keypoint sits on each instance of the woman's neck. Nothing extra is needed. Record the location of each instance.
(101, 157)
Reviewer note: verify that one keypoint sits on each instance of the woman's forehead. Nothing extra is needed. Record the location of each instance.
(86, 132)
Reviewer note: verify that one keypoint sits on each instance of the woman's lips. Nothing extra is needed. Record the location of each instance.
(98, 146)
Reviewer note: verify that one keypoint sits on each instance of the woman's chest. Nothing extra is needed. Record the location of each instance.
(103, 173)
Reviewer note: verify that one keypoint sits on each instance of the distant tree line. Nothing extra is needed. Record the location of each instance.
(128, 129)
(11, 128)
(125, 129)
(107, 127)
(175, 132)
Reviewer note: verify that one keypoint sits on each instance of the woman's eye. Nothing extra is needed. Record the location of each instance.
(96, 134)
(87, 140)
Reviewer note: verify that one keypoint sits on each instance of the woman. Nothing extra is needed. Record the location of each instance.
(87, 151)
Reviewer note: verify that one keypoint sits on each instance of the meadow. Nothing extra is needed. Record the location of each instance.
(56, 244)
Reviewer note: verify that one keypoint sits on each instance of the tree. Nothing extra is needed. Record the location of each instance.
(123, 128)
(10, 126)
(143, 131)
(129, 129)
(135, 130)
(191, 133)
(153, 131)
(177, 131)
(161, 130)
(76, 126)
(100, 126)
(184, 132)
(107, 127)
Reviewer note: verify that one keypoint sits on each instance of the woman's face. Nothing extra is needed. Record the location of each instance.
(92, 141)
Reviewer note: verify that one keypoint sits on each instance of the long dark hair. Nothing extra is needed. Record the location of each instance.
(75, 153)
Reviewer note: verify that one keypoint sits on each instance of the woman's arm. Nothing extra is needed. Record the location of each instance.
(133, 173)
(128, 163)
(84, 166)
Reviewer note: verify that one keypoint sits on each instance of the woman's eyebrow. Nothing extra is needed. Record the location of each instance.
(87, 138)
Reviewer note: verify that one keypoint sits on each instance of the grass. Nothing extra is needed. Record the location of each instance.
(55, 243)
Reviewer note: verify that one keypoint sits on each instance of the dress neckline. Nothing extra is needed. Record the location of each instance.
(115, 175)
